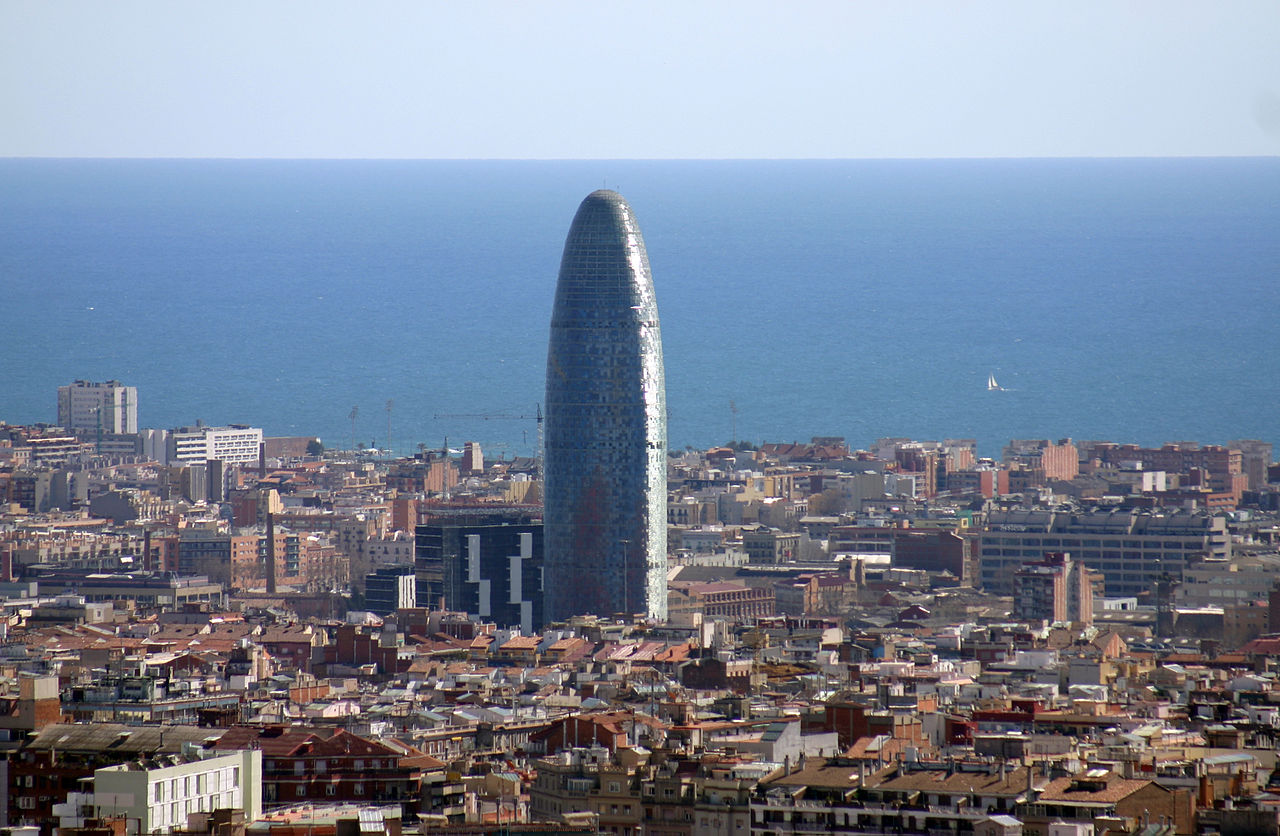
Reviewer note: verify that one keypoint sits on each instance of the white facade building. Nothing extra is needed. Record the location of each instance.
(234, 444)
(157, 796)
(87, 406)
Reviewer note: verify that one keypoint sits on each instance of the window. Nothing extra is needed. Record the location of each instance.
(359, 789)
(331, 790)
(302, 790)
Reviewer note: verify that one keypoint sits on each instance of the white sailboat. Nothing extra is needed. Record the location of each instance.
(992, 386)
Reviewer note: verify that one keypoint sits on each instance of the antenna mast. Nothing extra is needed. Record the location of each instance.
(390, 403)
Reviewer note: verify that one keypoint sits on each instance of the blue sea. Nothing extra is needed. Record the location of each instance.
(1135, 299)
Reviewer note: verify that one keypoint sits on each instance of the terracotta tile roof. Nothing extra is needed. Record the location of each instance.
(439, 644)
(828, 773)
(292, 634)
(175, 632)
(646, 651)
(424, 762)
(1265, 645)
(423, 666)
(616, 653)
(285, 742)
(1011, 783)
(292, 741)
(869, 748)
(522, 643)
(580, 651)
(1114, 788)
(674, 653)
(55, 639)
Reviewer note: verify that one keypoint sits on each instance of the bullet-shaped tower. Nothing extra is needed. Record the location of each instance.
(606, 424)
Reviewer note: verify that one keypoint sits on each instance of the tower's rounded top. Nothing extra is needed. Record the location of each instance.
(605, 198)
(604, 209)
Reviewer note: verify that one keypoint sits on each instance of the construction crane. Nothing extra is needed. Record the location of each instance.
(503, 416)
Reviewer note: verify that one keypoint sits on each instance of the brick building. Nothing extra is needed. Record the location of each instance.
(1054, 589)
(302, 765)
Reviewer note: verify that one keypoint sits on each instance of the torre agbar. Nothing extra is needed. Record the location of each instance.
(605, 532)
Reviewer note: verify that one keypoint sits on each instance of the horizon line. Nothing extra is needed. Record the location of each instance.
(140, 158)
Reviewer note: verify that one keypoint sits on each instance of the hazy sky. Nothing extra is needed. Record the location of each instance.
(605, 79)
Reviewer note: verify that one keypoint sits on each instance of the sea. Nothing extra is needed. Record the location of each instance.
(404, 305)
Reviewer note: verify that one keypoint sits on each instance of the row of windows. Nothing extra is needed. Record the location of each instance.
(1086, 554)
(321, 765)
(177, 811)
(1113, 542)
(216, 780)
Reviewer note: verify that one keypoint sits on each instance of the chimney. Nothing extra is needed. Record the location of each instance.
(271, 553)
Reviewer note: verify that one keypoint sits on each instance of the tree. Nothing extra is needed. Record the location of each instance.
(315, 448)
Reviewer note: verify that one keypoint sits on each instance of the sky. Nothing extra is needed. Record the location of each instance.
(651, 80)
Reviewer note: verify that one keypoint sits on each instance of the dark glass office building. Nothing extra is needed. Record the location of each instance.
(606, 423)
(390, 588)
(486, 563)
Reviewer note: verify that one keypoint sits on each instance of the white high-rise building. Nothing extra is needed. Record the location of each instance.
(234, 444)
(110, 406)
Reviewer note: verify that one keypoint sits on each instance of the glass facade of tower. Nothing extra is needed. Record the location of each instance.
(606, 423)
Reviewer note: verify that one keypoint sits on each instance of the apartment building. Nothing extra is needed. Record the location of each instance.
(1131, 550)
(109, 407)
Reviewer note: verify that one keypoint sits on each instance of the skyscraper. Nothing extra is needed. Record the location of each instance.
(606, 423)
